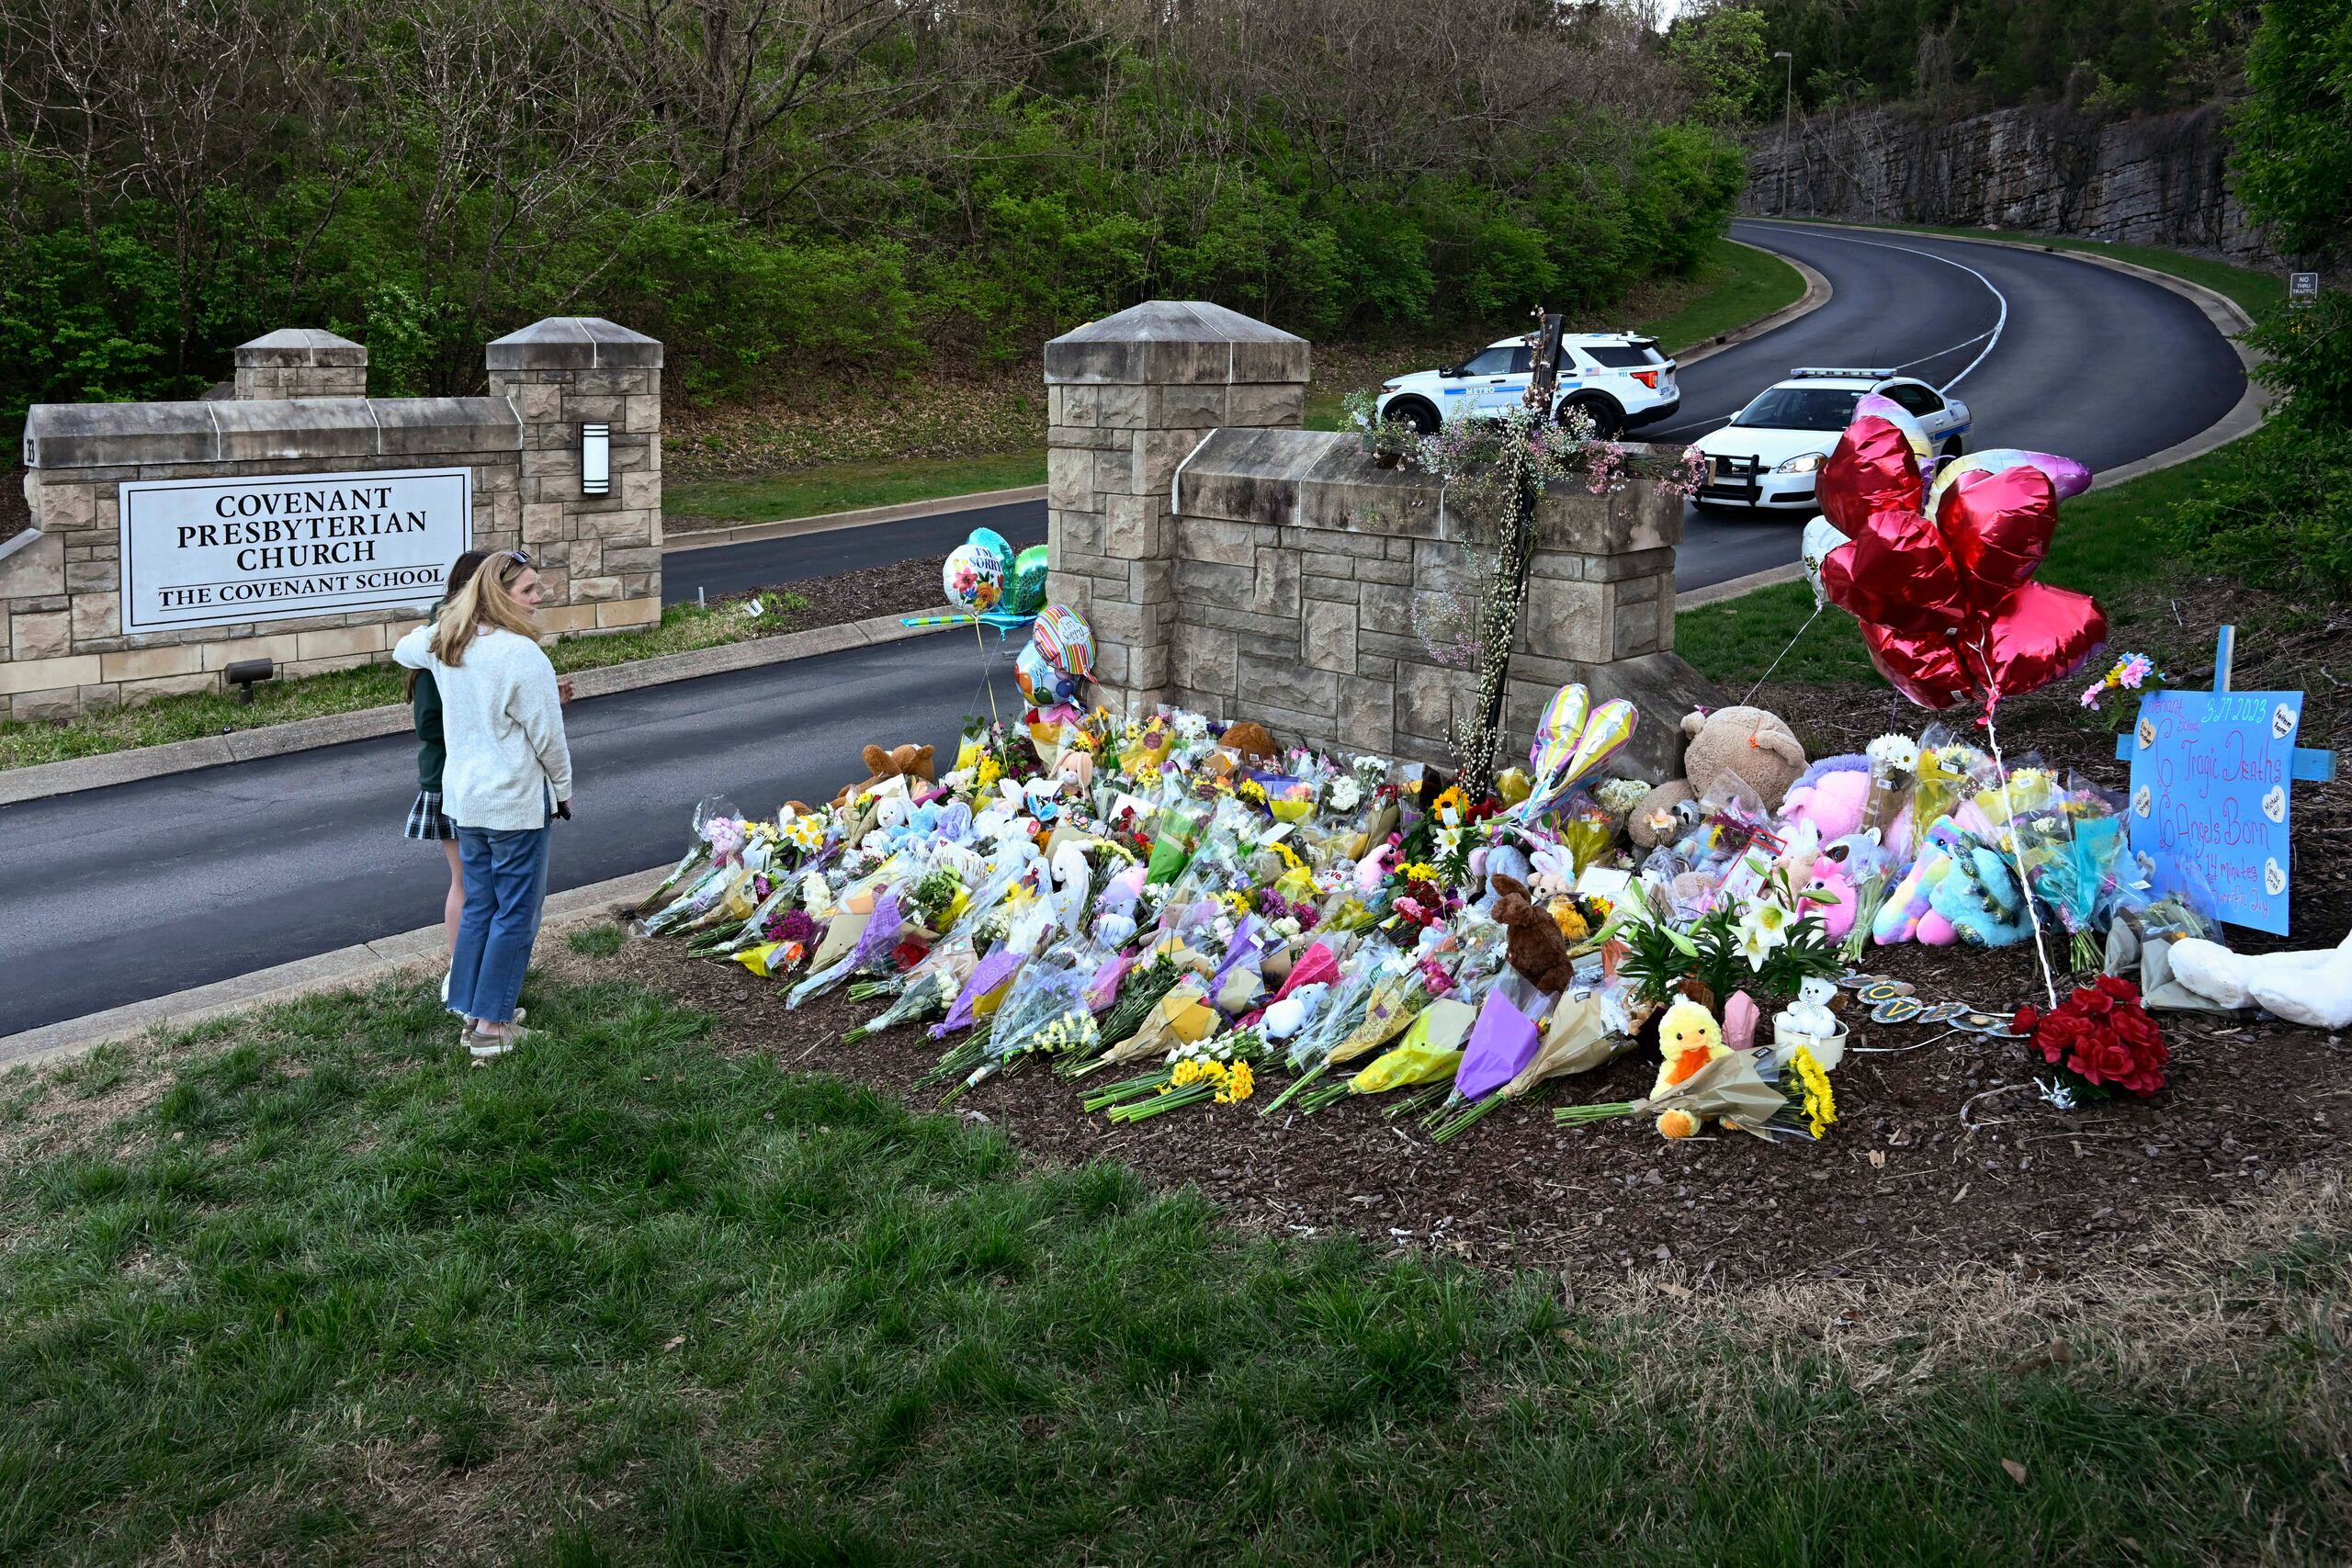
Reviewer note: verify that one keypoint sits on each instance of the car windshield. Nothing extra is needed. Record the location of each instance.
(1802, 408)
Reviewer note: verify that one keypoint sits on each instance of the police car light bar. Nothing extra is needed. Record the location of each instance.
(1835, 370)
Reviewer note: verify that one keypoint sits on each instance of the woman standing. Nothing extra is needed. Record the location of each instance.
(507, 766)
(426, 821)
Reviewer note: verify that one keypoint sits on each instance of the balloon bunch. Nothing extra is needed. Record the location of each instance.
(984, 578)
(1940, 574)
(1059, 654)
(1572, 739)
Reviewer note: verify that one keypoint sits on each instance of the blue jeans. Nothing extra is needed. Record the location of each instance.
(506, 881)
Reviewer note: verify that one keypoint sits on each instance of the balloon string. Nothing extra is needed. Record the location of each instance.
(1784, 652)
(987, 673)
(2016, 850)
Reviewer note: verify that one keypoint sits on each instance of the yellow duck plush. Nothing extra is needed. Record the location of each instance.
(1688, 1038)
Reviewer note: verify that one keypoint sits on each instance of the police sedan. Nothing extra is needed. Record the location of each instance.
(1765, 459)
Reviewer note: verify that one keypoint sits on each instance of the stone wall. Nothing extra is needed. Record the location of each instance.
(2156, 180)
(1252, 569)
(61, 645)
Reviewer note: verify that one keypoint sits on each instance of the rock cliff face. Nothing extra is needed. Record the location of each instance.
(2157, 180)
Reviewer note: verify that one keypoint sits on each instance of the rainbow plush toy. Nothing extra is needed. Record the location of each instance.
(1909, 901)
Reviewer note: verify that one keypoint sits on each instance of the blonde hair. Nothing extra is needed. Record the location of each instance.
(487, 599)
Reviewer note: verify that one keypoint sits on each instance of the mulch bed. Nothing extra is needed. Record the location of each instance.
(1944, 1153)
(902, 588)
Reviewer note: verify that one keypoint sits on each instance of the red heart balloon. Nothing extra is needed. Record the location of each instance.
(1871, 470)
(2040, 635)
(1996, 527)
(1925, 669)
(1896, 573)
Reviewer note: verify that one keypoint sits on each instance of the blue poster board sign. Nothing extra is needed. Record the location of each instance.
(2209, 774)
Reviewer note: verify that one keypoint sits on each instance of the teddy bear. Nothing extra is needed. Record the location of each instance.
(910, 762)
(1751, 744)
(1537, 951)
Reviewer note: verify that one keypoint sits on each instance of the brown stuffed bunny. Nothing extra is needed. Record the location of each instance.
(1537, 950)
(914, 762)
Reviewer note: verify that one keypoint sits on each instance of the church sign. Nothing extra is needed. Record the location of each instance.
(280, 547)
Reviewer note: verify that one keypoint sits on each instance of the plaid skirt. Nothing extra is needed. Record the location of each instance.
(425, 820)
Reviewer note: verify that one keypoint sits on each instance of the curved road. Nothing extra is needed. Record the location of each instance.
(2049, 352)
(117, 895)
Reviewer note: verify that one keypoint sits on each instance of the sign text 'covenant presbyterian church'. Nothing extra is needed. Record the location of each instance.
(212, 552)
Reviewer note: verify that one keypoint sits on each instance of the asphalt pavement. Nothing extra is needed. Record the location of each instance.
(117, 895)
(739, 569)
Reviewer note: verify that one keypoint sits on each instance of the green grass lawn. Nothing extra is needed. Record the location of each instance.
(683, 628)
(849, 487)
(2103, 546)
(315, 1291)
(2254, 291)
(1742, 286)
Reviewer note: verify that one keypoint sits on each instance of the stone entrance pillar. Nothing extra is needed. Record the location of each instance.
(300, 362)
(600, 556)
(1127, 399)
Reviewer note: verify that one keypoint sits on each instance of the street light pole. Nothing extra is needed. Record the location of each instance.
(1788, 107)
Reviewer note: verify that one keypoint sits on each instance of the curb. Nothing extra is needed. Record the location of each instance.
(75, 774)
(1816, 294)
(865, 517)
(1733, 587)
(355, 965)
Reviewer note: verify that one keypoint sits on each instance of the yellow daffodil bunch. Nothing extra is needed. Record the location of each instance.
(1252, 791)
(1418, 871)
(1240, 1084)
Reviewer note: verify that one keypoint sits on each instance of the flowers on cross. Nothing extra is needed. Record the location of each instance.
(2131, 672)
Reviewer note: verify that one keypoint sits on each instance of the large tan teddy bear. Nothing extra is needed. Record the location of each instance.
(1749, 743)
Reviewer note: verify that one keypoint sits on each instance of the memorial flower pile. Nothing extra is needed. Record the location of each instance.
(1179, 915)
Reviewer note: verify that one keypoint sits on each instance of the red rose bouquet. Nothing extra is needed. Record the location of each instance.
(2101, 1037)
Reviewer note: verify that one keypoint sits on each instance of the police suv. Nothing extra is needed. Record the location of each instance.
(1619, 380)
(1766, 457)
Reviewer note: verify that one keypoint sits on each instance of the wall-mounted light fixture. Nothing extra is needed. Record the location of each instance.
(596, 459)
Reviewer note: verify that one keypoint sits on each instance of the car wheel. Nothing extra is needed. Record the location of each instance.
(1607, 420)
(1952, 447)
(1413, 412)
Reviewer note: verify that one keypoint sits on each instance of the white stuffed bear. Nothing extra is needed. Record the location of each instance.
(2313, 989)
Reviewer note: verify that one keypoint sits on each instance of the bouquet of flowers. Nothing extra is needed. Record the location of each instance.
(2100, 1039)
(1430, 1054)
(928, 990)
(1894, 761)
(1221, 1069)
(1048, 987)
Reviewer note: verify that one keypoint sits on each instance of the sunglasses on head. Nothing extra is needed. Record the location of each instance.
(520, 558)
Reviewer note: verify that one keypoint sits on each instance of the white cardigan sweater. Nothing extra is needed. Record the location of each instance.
(504, 725)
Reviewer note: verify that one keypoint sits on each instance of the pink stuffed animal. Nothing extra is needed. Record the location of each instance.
(1830, 876)
(1831, 795)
